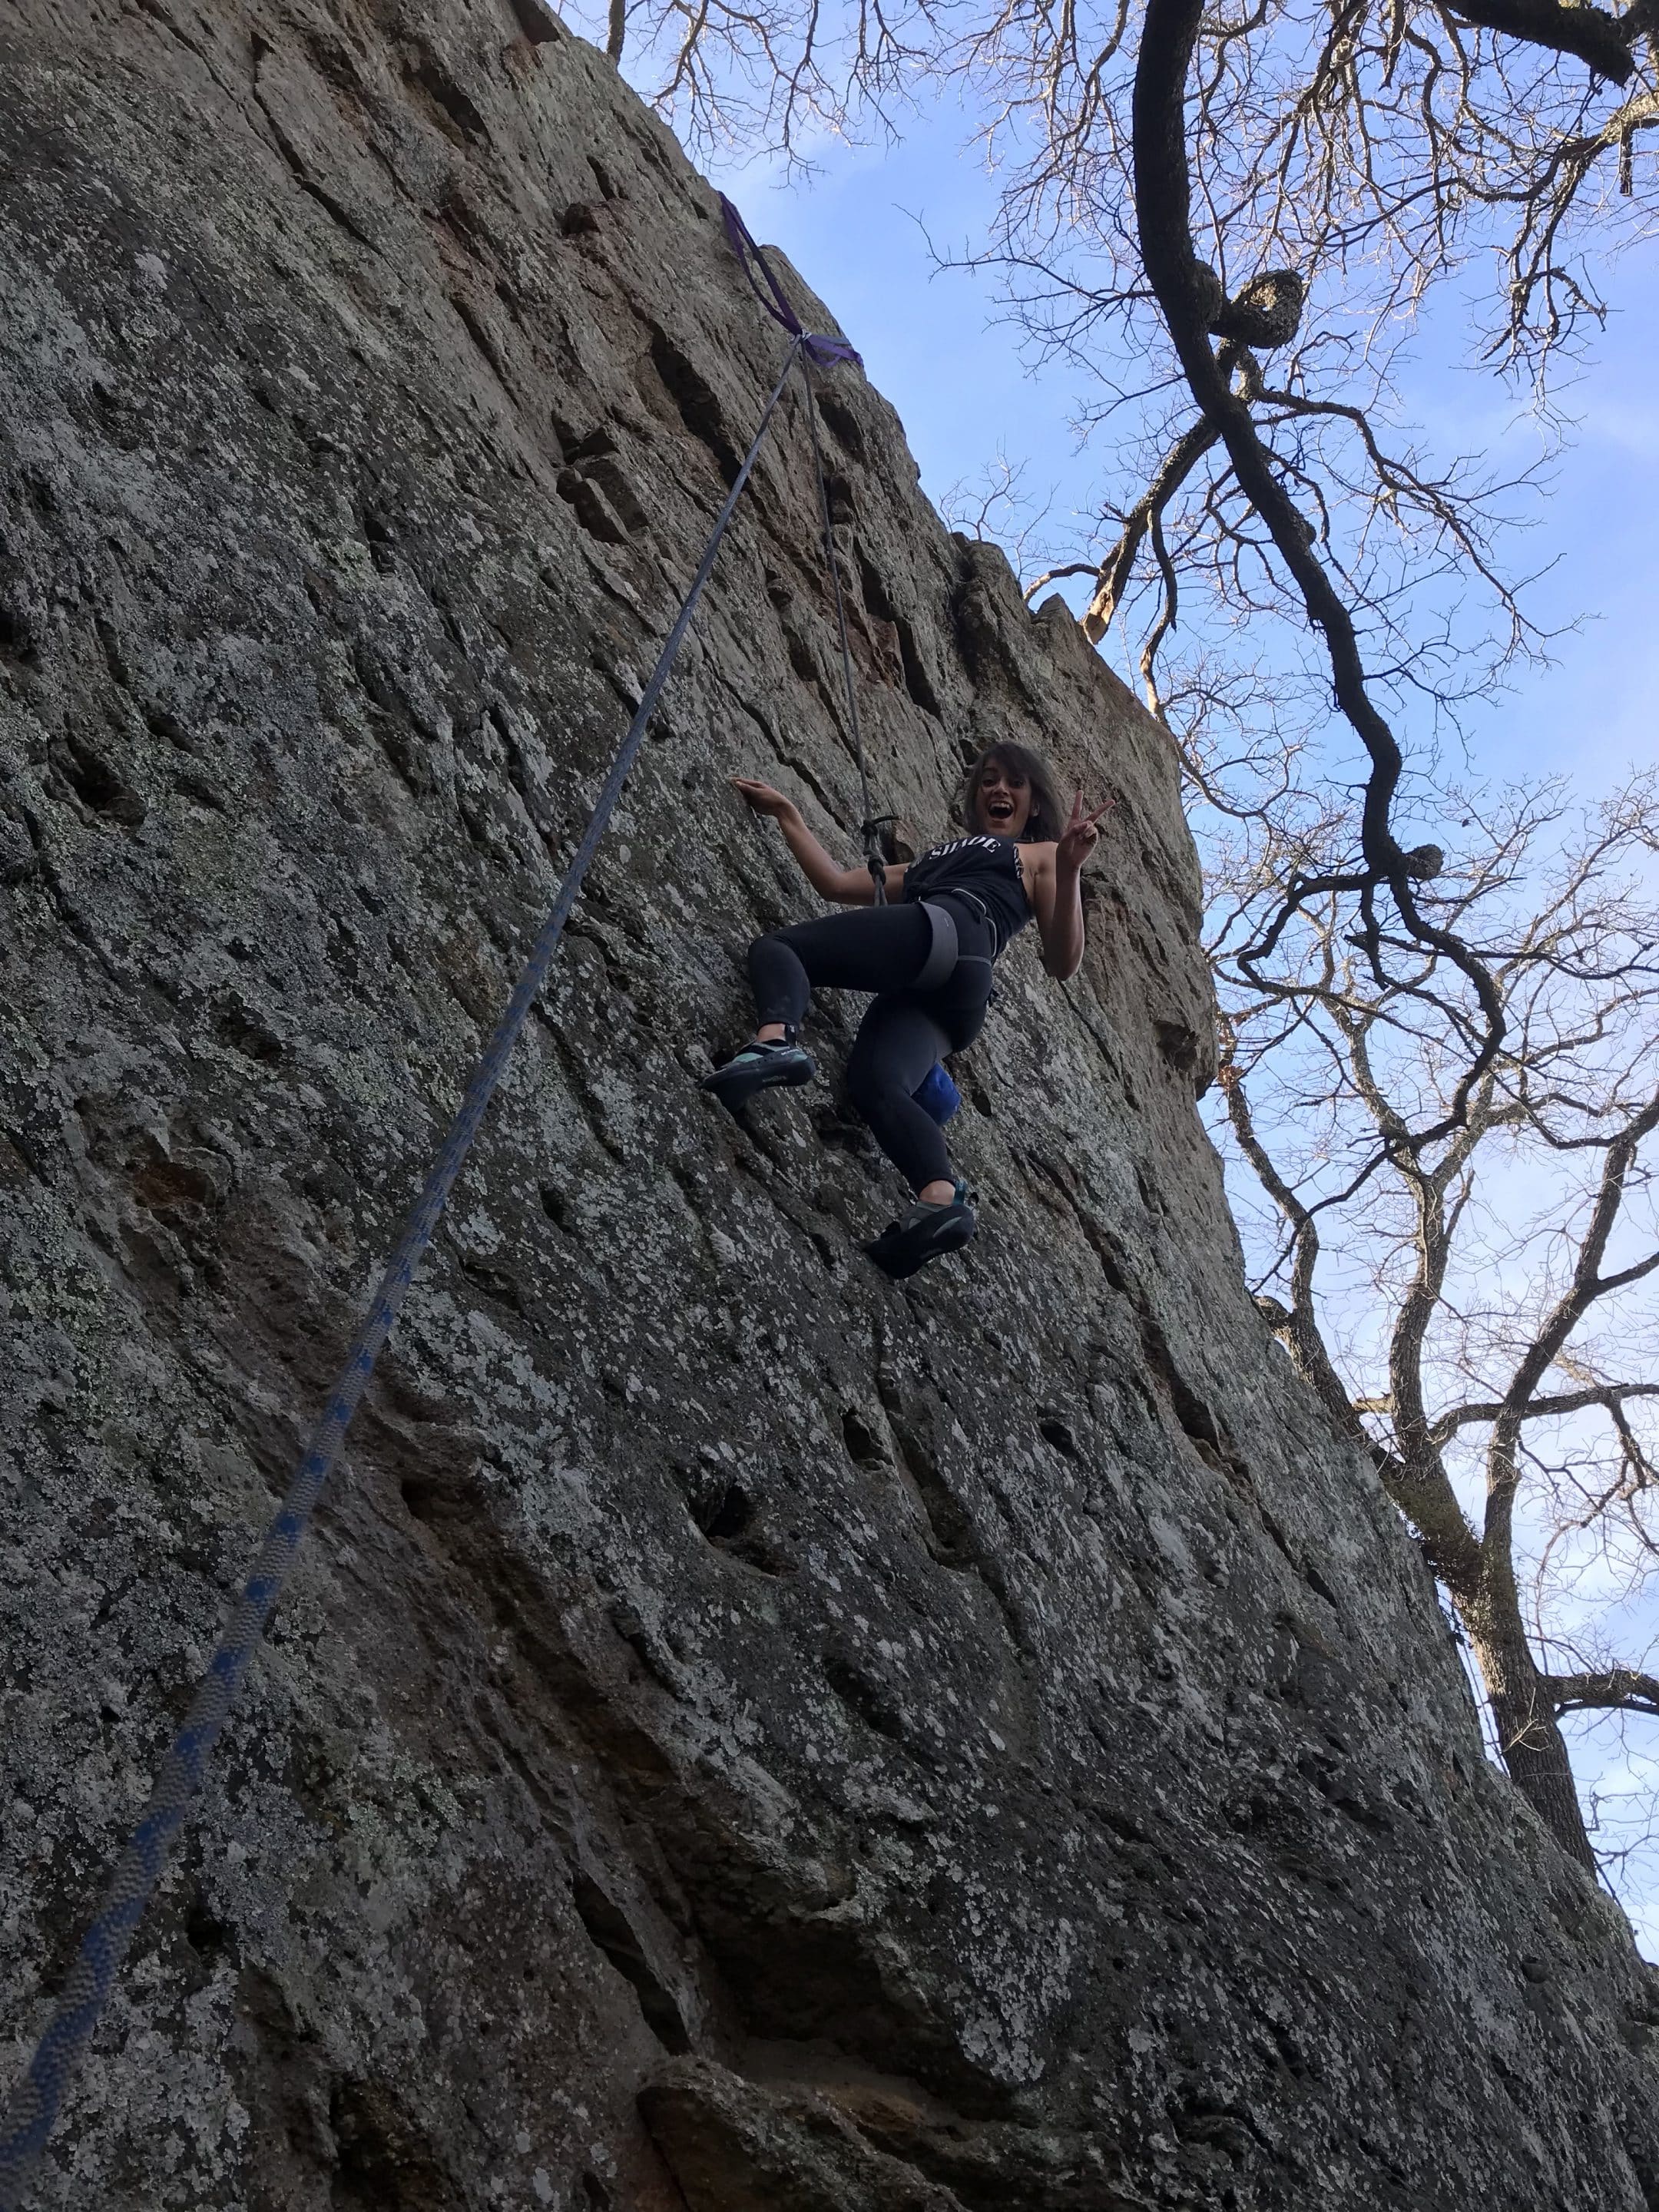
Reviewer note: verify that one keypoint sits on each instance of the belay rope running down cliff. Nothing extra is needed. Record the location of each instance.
(32, 2111)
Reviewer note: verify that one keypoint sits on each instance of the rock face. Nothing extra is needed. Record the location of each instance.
(743, 1735)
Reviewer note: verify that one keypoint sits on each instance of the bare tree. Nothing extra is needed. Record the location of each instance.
(1501, 1362)
(994, 504)
(1344, 160)
(761, 73)
(1226, 220)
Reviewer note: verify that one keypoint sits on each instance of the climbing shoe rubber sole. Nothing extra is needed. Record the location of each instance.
(759, 1067)
(925, 1233)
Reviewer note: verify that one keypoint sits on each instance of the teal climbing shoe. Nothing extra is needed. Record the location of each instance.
(923, 1234)
(758, 1067)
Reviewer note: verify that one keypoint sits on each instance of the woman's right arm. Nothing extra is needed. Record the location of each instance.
(846, 886)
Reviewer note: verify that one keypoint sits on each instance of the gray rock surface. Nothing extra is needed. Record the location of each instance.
(742, 1734)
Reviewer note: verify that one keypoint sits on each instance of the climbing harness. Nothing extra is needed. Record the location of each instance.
(945, 954)
(32, 2111)
(946, 949)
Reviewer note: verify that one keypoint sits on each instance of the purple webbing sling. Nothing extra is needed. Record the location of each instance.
(774, 300)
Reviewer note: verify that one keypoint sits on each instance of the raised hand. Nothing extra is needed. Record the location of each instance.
(1082, 831)
(762, 797)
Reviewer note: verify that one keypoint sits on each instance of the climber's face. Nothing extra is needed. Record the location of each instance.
(1003, 801)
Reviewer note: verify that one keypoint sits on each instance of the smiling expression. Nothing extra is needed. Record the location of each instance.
(1003, 801)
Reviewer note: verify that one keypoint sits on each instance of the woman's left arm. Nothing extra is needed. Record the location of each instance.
(1057, 893)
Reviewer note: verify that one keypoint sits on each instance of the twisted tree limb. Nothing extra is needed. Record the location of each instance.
(1188, 294)
(1548, 1408)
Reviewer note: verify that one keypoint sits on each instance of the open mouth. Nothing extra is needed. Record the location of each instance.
(999, 810)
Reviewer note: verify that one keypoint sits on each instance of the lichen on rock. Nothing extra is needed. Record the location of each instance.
(742, 1733)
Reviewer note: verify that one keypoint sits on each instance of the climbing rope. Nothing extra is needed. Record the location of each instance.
(30, 2116)
(822, 350)
(870, 825)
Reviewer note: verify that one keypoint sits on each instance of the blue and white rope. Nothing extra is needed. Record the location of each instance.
(35, 2105)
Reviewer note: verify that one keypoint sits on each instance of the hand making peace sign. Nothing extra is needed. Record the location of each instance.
(1078, 839)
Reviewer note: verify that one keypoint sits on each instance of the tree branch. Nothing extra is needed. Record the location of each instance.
(1542, 1409)
(1590, 33)
(1115, 570)
(1188, 292)
(1613, 1689)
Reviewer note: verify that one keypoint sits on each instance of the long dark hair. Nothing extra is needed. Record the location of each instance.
(1047, 817)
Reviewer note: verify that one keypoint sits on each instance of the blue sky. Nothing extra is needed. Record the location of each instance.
(932, 344)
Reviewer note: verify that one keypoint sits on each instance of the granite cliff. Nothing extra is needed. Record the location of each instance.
(743, 1735)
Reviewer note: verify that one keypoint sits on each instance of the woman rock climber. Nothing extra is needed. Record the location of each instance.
(1017, 857)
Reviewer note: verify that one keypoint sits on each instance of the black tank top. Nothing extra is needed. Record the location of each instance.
(983, 870)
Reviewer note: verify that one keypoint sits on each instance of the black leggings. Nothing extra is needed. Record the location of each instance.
(881, 949)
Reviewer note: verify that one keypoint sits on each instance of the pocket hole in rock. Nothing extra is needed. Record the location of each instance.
(608, 1926)
(864, 1447)
(726, 1517)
